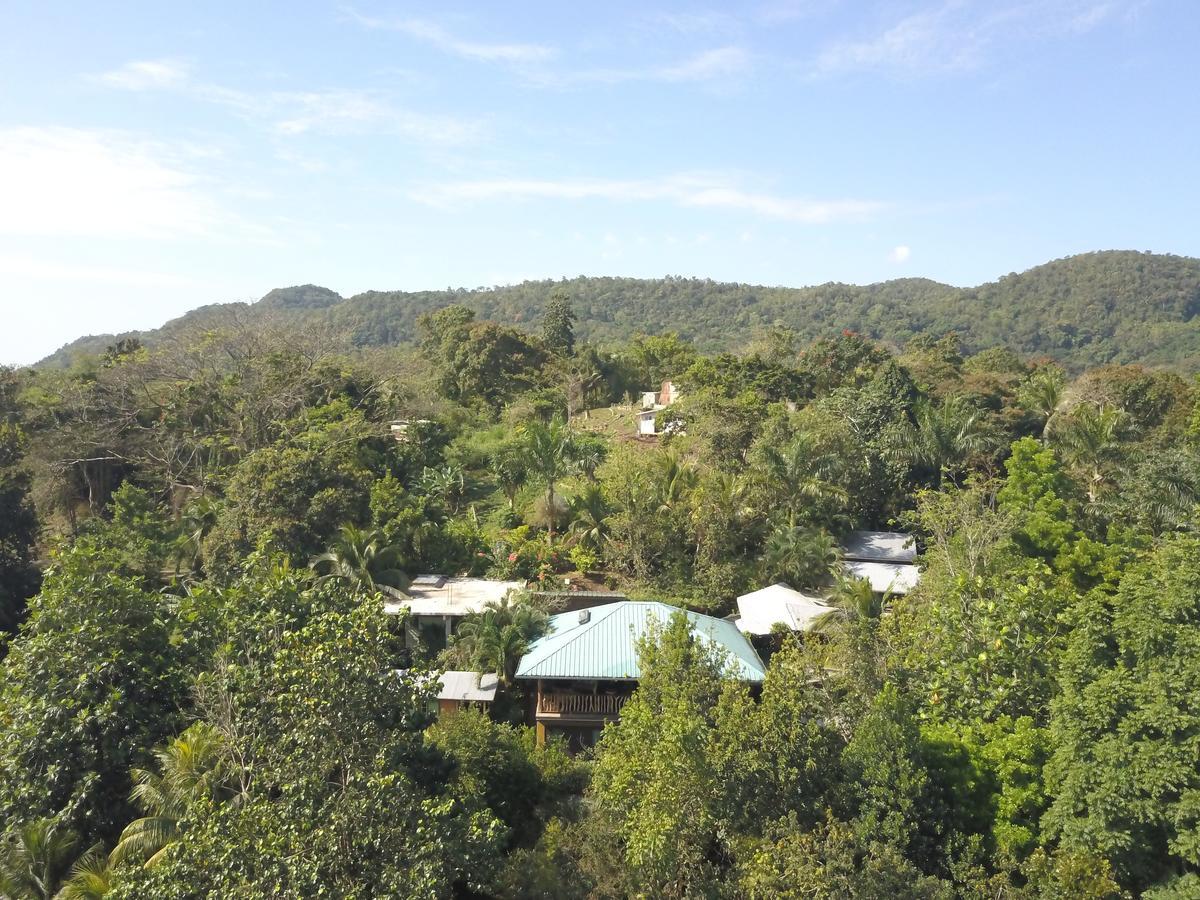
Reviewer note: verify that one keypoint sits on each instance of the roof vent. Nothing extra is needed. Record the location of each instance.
(585, 616)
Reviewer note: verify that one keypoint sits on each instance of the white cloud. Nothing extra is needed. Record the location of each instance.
(959, 35)
(301, 112)
(683, 190)
(145, 75)
(718, 63)
(341, 111)
(436, 36)
(68, 181)
(709, 65)
(42, 270)
(900, 254)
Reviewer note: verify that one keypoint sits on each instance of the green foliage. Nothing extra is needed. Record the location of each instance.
(1123, 771)
(92, 682)
(655, 784)
(294, 495)
(558, 324)
(18, 522)
(337, 780)
(524, 785)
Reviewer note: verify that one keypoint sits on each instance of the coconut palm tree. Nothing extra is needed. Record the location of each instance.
(359, 559)
(589, 518)
(189, 767)
(853, 601)
(943, 439)
(36, 860)
(496, 638)
(1042, 394)
(798, 477)
(1089, 438)
(549, 453)
(676, 479)
(91, 877)
(801, 556)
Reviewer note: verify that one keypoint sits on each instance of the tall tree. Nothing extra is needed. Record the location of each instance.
(550, 452)
(558, 324)
(189, 770)
(943, 439)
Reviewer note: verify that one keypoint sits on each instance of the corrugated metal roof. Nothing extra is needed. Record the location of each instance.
(898, 578)
(778, 604)
(879, 546)
(473, 686)
(601, 643)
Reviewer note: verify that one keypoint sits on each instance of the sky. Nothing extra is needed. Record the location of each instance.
(156, 156)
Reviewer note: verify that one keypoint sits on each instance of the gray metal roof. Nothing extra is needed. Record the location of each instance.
(879, 546)
(473, 686)
(601, 643)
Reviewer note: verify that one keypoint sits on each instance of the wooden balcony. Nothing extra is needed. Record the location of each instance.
(562, 704)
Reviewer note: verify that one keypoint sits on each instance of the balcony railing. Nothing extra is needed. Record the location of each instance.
(566, 703)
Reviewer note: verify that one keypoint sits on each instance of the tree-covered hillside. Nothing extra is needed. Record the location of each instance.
(201, 695)
(1092, 309)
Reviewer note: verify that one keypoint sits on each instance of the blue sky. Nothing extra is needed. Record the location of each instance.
(157, 156)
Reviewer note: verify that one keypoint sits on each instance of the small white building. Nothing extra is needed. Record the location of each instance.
(652, 403)
(886, 559)
(443, 600)
(759, 612)
(399, 428)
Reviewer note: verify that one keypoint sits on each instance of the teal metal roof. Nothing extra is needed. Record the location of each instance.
(605, 645)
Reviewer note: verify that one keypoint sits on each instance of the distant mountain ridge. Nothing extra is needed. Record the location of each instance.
(1111, 306)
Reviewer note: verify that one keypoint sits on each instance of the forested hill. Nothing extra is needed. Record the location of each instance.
(1112, 306)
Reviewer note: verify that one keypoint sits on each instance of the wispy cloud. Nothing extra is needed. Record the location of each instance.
(439, 37)
(43, 270)
(146, 74)
(301, 112)
(688, 190)
(900, 254)
(78, 182)
(697, 21)
(956, 35)
(718, 64)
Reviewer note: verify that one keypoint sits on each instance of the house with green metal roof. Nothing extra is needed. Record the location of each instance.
(586, 666)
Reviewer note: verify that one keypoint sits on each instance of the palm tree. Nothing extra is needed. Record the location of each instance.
(36, 860)
(360, 560)
(91, 877)
(675, 481)
(1042, 394)
(801, 556)
(189, 767)
(797, 476)
(854, 601)
(589, 518)
(943, 438)
(1090, 440)
(496, 638)
(508, 468)
(195, 522)
(550, 455)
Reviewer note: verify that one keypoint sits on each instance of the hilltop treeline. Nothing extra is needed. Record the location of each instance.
(200, 695)
(1087, 310)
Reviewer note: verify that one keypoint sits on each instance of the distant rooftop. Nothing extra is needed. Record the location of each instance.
(439, 595)
(601, 643)
(897, 578)
(469, 686)
(778, 604)
(879, 546)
